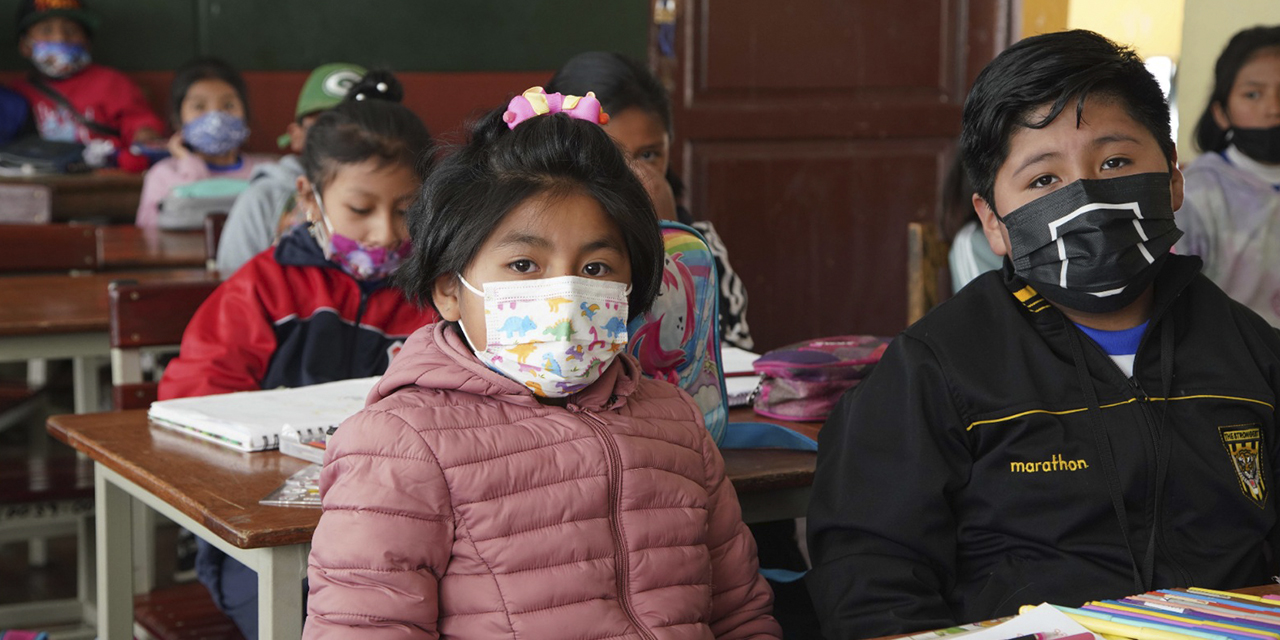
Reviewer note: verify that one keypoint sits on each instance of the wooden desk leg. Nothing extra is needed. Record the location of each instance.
(280, 577)
(115, 558)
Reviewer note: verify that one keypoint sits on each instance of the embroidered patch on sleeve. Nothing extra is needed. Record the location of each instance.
(1244, 444)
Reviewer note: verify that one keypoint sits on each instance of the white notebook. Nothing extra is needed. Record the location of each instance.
(740, 380)
(253, 420)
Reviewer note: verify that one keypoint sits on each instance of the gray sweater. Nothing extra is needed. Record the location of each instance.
(251, 225)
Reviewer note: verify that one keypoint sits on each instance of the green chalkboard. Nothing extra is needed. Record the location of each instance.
(404, 35)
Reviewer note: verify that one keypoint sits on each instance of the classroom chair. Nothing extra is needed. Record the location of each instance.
(213, 224)
(46, 497)
(30, 248)
(928, 279)
(33, 248)
(149, 318)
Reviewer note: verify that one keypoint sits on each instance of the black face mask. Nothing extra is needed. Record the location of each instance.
(1094, 245)
(1262, 145)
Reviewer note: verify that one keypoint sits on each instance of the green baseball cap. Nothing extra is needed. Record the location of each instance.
(324, 89)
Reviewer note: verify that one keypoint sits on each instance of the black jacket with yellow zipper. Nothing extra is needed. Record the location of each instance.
(975, 470)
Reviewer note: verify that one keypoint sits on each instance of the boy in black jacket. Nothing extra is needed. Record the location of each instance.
(1097, 420)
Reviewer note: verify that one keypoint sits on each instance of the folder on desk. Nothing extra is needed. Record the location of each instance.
(254, 420)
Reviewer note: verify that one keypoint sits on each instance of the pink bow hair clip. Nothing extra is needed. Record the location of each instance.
(536, 101)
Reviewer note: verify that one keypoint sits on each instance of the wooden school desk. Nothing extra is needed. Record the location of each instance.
(129, 247)
(772, 484)
(65, 316)
(108, 194)
(213, 491)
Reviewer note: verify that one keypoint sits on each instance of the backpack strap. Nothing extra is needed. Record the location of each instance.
(55, 95)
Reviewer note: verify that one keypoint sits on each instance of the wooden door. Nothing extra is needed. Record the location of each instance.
(810, 132)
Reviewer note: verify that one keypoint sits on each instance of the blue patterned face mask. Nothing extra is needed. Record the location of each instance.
(215, 133)
(59, 59)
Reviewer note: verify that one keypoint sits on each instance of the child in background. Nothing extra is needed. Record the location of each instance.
(255, 217)
(640, 120)
(210, 111)
(317, 307)
(514, 475)
(73, 99)
(1232, 212)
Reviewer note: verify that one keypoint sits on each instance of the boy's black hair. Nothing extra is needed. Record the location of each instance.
(207, 68)
(473, 189)
(1242, 47)
(1053, 69)
(620, 83)
(369, 123)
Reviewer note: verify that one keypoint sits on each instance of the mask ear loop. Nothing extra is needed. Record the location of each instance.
(324, 235)
(462, 327)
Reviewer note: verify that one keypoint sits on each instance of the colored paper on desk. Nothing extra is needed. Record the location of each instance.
(1044, 622)
(254, 420)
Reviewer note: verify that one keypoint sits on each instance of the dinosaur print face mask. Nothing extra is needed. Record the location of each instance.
(555, 335)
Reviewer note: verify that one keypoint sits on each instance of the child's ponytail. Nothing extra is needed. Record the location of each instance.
(378, 84)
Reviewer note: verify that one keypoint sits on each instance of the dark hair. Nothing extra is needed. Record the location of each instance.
(1053, 69)
(203, 69)
(1238, 52)
(620, 83)
(473, 189)
(369, 123)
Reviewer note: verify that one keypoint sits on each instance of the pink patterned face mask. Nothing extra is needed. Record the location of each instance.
(359, 261)
(366, 263)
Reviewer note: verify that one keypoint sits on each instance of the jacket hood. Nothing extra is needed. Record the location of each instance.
(436, 357)
(286, 170)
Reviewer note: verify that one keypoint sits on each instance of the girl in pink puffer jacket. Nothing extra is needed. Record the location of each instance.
(513, 475)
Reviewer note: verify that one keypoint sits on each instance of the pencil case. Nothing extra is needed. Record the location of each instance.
(803, 381)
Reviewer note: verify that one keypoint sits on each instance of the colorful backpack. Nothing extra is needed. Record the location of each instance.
(678, 338)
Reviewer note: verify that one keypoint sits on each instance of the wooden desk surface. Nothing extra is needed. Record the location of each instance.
(216, 486)
(61, 303)
(220, 487)
(130, 247)
(107, 193)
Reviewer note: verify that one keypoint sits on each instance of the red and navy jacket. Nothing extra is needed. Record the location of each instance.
(290, 318)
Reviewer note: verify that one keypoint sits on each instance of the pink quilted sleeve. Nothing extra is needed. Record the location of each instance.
(385, 536)
(741, 600)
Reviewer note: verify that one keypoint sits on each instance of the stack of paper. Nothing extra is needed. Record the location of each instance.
(740, 380)
(253, 420)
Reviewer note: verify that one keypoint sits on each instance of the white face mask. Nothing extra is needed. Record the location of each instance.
(556, 335)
